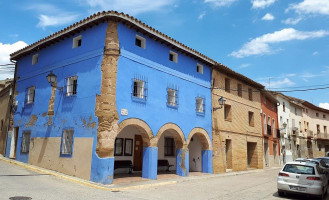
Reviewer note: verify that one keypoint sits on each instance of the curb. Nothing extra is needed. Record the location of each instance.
(82, 181)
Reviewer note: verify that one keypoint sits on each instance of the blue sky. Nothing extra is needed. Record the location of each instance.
(281, 44)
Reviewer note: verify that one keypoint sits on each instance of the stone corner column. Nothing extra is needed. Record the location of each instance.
(207, 161)
(182, 161)
(150, 163)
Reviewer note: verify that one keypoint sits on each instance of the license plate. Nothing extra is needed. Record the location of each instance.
(297, 188)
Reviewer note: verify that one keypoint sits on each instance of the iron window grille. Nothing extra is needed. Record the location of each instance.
(200, 105)
(71, 86)
(172, 96)
(169, 146)
(26, 142)
(139, 88)
(67, 142)
(30, 94)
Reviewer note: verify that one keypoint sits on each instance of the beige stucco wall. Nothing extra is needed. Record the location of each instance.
(238, 129)
(4, 113)
(45, 152)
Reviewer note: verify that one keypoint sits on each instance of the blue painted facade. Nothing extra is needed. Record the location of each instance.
(151, 64)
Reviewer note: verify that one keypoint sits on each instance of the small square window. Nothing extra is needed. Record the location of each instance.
(199, 68)
(118, 147)
(140, 42)
(317, 114)
(227, 112)
(172, 97)
(251, 119)
(250, 94)
(26, 142)
(30, 94)
(77, 41)
(200, 105)
(173, 56)
(71, 86)
(239, 90)
(169, 147)
(35, 58)
(67, 142)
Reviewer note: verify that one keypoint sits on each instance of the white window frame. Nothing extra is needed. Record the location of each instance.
(174, 55)
(199, 103)
(30, 95)
(76, 42)
(172, 97)
(67, 142)
(72, 86)
(143, 41)
(35, 59)
(199, 68)
(26, 137)
(138, 88)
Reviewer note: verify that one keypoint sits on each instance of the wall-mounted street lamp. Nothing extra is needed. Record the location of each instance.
(51, 77)
(221, 102)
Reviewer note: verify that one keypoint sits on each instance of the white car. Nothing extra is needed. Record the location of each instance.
(303, 178)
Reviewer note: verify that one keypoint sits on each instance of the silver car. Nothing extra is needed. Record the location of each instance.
(303, 178)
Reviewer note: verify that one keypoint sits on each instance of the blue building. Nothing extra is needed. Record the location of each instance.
(109, 94)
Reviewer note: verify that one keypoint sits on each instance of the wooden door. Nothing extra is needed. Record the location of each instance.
(138, 153)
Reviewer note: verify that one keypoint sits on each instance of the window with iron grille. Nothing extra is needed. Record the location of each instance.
(200, 106)
(172, 97)
(169, 148)
(139, 88)
(118, 147)
(30, 94)
(26, 142)
(67, 142)
(71, 86)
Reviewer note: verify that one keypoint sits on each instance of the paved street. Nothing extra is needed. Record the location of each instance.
(18, 181)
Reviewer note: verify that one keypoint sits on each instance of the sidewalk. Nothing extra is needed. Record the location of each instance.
(139, 183)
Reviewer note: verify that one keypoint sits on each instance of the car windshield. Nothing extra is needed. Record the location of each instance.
(299, 169)
(325, 160)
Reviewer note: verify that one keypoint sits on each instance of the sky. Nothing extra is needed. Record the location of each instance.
(281, 44)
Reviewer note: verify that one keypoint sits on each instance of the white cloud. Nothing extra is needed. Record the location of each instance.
(220, 3)
(279, 84)
(202, 15)
(50, 15)
(268, 17)
(311, 7)
(261, 45)
(132, 7)
(261, 3)
(324, 105)
(292, 21)
(5, 51)
(243, 66)
(46, 20)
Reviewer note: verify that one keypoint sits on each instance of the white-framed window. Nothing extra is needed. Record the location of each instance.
(26, 141)
(172, 97)
(199, 68)
(138, 88)
(77, 42)
(30, 94)
(140, 42)
(169, 147)
(67, 142)
(200, 105)
(71, 85)
(35, 59)
(173, 56)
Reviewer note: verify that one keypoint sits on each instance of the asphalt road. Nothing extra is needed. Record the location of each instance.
(16, 181)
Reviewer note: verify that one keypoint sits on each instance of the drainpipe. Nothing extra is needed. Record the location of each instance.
(10, 104)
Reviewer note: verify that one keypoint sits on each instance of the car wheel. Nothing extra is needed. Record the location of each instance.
(280, 193)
